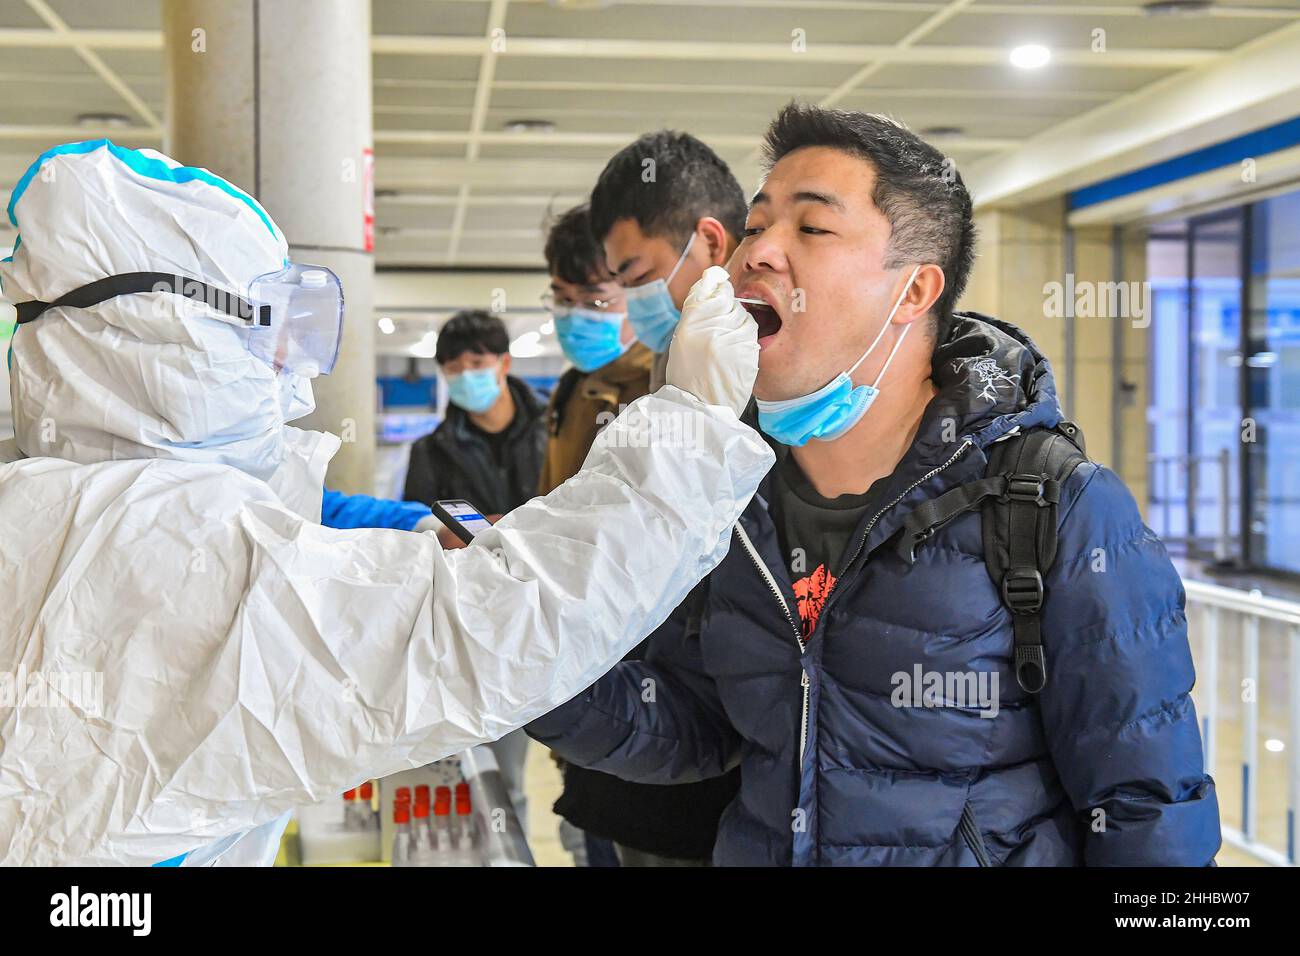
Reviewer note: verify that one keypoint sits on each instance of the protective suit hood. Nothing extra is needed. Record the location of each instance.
(147, 375)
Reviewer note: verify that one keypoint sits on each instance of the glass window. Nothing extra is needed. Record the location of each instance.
(1224, 430)
(1273, 375)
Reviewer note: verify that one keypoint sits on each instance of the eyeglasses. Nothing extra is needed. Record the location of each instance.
(551, 304)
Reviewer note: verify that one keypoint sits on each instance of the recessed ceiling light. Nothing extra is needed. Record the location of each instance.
(1030, 56)
(427, 347)
(386, 325)
(1159, 8)
(528, 345)
(529, 126)
(115, 120)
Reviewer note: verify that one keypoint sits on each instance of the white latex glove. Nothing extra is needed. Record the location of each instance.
(714, 353)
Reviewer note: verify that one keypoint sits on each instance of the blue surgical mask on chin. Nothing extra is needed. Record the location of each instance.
(590, 339)
(651, 311)
(475, 390)
(837, 406)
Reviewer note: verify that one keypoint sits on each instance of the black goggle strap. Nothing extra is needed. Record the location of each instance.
(130, 283)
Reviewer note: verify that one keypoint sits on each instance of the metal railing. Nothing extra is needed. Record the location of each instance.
(1248, 609)
(1162, 500)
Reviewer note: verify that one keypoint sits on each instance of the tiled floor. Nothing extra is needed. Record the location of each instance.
(543, 783)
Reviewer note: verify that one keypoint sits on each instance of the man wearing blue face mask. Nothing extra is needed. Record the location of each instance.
(608, 821)
(487, 450)
(489, 447)
(611, 369)
(665, 208)
(942, 636)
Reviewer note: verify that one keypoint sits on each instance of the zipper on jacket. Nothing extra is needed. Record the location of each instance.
(772, 586)
(965, 445)
(803, 721)
(970, 832)
(794, 628)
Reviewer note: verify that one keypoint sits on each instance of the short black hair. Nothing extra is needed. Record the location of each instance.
(471, 330)
(572, 253)
(667, 181)
(918, 189)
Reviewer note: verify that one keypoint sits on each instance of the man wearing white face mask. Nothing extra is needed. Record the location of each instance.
(660, 232)
(911, 652)
(186, 653)
(488, 449)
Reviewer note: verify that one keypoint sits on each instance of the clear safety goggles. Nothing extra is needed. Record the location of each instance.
(291, 318)
(298, 319)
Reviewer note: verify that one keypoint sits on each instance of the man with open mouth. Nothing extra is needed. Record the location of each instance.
(942, 636)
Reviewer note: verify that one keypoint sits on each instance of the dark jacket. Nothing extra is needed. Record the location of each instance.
(681, 821)
(834, 772)
(455, 460)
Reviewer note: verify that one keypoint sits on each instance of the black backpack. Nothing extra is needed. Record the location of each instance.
(1018, 498)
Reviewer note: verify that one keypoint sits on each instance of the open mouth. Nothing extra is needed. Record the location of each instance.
(769, 323)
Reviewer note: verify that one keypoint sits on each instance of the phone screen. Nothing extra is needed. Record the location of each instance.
(463, 518)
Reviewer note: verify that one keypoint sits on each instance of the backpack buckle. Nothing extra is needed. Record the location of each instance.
(1031, 667)
(1029, 488)
(1022, 590)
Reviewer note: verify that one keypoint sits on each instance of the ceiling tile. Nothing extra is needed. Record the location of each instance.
(428, 18)
(117, 15)
(704, 21)
(1076, 32)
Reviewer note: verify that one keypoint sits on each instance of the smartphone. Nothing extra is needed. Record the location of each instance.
(463, 518)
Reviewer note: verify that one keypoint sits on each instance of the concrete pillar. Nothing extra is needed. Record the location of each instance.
(1018, 252)
(275, 96)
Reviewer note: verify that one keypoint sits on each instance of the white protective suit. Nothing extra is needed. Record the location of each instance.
(159, 534)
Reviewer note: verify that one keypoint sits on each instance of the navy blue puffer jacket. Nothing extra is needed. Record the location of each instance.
(1104, 767)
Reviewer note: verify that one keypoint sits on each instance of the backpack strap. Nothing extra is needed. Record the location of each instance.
(1018, 499)
(1020, 534)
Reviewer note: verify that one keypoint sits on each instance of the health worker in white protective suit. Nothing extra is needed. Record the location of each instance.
(189, 654)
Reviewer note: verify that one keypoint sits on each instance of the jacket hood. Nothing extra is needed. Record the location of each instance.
(991, 378)
(149, 375)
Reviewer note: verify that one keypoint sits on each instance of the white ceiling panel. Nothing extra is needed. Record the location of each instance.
(429, 17)
(471, 194)
(724, 22)
(105, 14)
